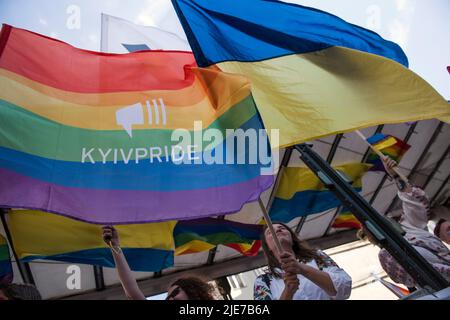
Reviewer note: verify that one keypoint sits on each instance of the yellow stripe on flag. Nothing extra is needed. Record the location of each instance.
(312, 95)
(41, 233)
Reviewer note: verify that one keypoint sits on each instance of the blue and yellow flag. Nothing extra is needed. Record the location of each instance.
(42, 235)
(312, 73)
(301, 193)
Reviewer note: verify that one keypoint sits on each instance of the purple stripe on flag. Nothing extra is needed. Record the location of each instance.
(109, 206)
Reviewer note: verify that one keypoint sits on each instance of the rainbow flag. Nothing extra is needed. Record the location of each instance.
(312, 73)
(6, 272)
(123, 139)
(41, 235)
(198, 235)
(387, 145)
(346, 220)
(249, 250)
(301, 193)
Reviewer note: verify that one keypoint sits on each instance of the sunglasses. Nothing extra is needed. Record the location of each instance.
(174, 293)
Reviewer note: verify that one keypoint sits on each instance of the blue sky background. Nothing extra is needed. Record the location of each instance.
(421, 27)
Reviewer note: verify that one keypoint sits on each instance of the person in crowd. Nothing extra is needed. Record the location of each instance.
(298, 272)
(416, 212)
(442, 230)
(187, 288)
(14, 291)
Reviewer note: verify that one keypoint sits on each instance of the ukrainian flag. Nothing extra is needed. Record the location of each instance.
(312, 73)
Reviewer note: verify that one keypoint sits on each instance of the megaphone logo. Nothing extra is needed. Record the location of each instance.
(134, 115)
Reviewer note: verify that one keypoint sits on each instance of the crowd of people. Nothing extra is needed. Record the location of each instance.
(296, 271)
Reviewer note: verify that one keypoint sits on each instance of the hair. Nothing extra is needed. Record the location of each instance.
(303, 252)
(438, 227)
(20, 291)
(195, 288)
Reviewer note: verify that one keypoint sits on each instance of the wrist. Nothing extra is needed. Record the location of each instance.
(306, 270)
(116, 249)
(288, 293)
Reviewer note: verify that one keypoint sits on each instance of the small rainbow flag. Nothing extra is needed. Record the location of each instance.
(346, 219)
(249, 250)
(389, 146)
(6, 272)
(192, 236)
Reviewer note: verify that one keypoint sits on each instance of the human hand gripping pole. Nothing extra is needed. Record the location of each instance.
(382, 157)
(111, 238)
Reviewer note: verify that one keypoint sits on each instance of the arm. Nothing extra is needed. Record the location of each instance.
(320, 278)
(394, 270)
(389, 165)
(129, 284)
(291, 284)
(416, 208)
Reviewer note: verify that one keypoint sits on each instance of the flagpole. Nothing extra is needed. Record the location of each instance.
(284, 164)
(270, 225)
(382, 156)
(104, 33)
(390, 286)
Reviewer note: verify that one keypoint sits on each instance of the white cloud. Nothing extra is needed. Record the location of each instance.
(161, 14)
(402, 4)
(93, 38)
(153, 12)
(399, 32)
(43, 21)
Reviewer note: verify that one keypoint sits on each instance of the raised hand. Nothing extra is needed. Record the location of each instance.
(111, 236)
(389, 164)
(291, 282)
(290, 264)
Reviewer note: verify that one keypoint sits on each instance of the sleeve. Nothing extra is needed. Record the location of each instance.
(416, 207)
(341, 280)
(443, 269)
(394, 270)
(261, 291)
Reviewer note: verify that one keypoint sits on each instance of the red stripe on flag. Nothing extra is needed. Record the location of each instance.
(60, 65)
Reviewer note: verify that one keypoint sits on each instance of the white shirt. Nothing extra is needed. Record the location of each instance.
(307, 290)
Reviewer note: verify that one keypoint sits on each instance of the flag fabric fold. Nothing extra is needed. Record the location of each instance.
(95, 136)
(198, 235)
(346, 220)
(309, 69)
(301, 193)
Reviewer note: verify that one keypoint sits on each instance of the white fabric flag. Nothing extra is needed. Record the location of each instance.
(123, 36)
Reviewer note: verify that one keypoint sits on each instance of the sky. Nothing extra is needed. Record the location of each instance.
(420, 27)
